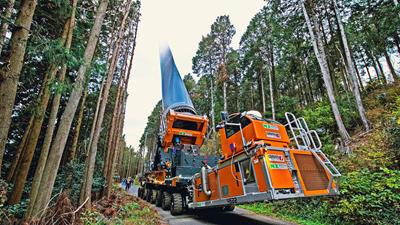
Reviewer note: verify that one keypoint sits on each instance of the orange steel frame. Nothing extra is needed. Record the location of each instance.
(159, 176)
(197, 136)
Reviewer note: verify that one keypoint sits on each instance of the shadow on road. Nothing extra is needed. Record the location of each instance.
(232, 218)
(238, 216)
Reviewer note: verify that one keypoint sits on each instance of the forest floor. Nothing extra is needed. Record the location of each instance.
(121, 208)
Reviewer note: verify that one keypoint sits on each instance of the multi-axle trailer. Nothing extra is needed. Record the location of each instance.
(262, 159)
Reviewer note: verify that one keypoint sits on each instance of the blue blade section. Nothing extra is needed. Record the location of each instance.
(174, 93)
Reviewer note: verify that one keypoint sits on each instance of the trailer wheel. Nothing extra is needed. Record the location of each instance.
(148, 195)
(228, 208)
(159, 198)
(153, 196)
(176, 204)
(166, 200)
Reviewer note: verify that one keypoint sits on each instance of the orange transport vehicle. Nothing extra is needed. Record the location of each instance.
(262, 162)
(262, 159)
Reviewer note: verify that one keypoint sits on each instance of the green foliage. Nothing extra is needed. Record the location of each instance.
(369, 197)
(152, 127)
(70, 177)
(393, 131)
(286, 104)
(90, 217)
(320, 117)
(133, 213)
(274, 209)
(16, 210)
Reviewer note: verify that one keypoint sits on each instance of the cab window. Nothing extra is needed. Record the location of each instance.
(186, 125)
(232, 129)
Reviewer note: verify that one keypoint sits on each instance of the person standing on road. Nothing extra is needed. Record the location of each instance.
(128, 183)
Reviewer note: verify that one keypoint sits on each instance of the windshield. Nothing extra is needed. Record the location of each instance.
(262, 119)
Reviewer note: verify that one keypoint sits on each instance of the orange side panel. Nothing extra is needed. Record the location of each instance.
(212, 185)
(230, 181)
(262, 183)
(270, 132)
(279, 170)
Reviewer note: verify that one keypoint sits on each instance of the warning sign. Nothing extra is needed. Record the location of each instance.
(276, 158)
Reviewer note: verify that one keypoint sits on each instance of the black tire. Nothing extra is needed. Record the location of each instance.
(228, 208)
(159, 198)
(148, 195)
(153, 196)
(166, 200)
(176, 204)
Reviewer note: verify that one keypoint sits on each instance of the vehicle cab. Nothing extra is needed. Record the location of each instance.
(242, 129)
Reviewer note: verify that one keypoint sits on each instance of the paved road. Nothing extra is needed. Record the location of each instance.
(238, 216)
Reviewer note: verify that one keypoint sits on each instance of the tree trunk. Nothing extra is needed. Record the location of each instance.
(31, 141)
(383, 76)
(359, 78)
(224, 96)
(4, 26)
(10, 72)
(54, 158)
(223, 74)
(271, 93)
(366, 68)
(309, 83)
(77, 131)
(328, 62)
(212, 104)
(369, 56)
(350, 66)
(111, 142)
(96, 115)
(117, 137)
(357, 73)
(320, 54)
(273, 74)
(29, 146)
(397, 41)
(90, 160)
(51, 124)
(120, 97)
(390, 65)
(261, 80)
(17, 157)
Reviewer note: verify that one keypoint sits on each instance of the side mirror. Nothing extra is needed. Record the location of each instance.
(224, 116)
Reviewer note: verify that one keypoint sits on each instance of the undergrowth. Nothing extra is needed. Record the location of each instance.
(370, 182)
(121, 209)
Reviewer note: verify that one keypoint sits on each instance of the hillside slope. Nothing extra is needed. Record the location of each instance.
(370, 184)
